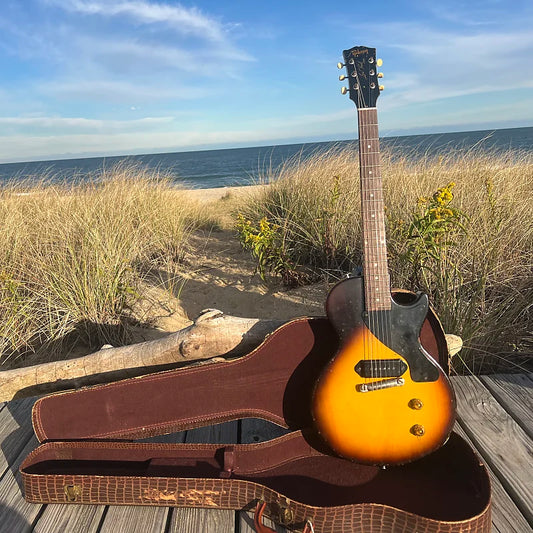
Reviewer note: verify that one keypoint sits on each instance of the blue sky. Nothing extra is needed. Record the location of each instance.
(102, 77)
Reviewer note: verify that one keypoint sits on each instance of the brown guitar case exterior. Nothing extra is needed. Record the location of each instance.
(303, 484)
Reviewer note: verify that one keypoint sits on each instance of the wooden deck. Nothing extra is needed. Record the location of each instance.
(494, 412)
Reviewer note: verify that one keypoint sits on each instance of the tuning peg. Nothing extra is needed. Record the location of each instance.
(382, 87)
(380, 74)
(344, 90)
(379, 62)
(340, 65)
(342, 77)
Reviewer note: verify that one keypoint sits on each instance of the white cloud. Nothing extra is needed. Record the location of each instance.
(443, 64)
(129, 55)
(133, 62)
(146, 135)
(62, 125)
(181, 19)
(119, 91)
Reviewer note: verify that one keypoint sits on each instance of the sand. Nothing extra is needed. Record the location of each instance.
(219, 274)
(212, 195)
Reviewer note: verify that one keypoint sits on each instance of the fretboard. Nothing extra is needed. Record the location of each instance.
(375, 268)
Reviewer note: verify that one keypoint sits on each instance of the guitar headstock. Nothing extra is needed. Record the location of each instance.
(361, 68)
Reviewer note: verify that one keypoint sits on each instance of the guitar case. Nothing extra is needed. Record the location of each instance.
(87, 454)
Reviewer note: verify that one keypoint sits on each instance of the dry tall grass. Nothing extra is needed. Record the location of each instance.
(481, 282)
(73, 257)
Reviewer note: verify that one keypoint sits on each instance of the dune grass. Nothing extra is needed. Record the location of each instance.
(76, 259)
(73, 258)
(471, 251)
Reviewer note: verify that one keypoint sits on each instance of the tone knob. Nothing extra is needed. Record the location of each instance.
(415, 404)
(418, 430)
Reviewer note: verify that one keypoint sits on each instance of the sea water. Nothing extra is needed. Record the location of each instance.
(245, 166)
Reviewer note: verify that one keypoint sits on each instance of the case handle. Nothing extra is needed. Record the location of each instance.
(261, 528)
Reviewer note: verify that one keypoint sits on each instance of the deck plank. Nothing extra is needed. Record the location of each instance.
(188, 520)
(16, 441)
(184, 520)
(16, 513)
(84, 518)
(254, 430)
(501, 442)
(515, 393)
(135, 519)
(506, 516)
(15, 430)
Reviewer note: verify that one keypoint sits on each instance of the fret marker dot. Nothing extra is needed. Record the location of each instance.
(375, 264)
(377, 299)
(369, 146)
(372, 215)
(371, 195)
(377, 277)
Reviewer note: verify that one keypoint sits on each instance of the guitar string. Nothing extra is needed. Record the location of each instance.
(371, 238)
(366, 337)
(367, 345)
(380, 325)
(384, 282)
(378, 230)
(374, 233)
(374, 230)
(368, 239)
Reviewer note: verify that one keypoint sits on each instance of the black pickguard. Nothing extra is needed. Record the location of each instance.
(398, 329)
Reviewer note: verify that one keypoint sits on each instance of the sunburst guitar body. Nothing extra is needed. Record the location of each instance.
(382, 399)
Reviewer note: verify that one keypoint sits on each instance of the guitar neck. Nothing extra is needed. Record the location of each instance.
(375, 267)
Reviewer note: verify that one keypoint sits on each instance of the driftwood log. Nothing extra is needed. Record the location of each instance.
(212, 337)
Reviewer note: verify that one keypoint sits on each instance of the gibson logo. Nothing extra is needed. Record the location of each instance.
(357, 53)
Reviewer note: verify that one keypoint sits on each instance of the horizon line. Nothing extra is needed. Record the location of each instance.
(205, 148)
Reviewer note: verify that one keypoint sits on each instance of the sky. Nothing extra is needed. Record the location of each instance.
(116, 77)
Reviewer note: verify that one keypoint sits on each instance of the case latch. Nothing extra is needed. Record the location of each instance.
(72, 492)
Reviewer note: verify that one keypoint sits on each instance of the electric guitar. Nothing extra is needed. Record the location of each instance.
(382, 399)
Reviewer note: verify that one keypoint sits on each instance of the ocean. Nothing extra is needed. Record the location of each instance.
(244, 166)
